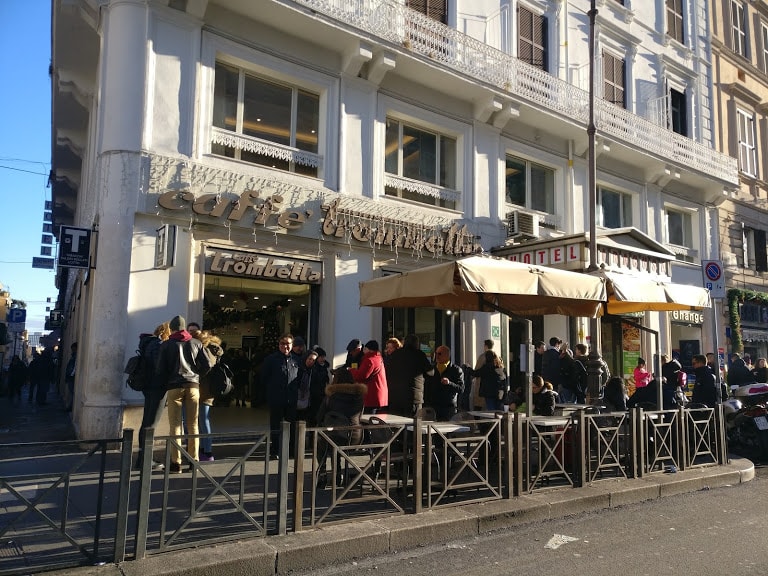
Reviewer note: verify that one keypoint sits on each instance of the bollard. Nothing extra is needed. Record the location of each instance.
(124, 492)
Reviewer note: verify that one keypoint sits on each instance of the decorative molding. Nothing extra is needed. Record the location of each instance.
(741, 92)
(258, 146)
(422, 188)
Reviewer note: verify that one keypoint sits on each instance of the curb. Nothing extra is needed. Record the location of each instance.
(334, 544)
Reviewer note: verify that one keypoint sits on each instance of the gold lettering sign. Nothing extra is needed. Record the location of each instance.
(247, 265)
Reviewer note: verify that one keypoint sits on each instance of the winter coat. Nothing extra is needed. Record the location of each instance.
(371, 373)
(760, 374)
(705, 390)
(279, 373)
(670, 370)
(182, 361)
(405, 379)
(347, 399)
(550, 367)
(442, 397)
(642, 377)
(492, 381)
(573, 377)
(544, 402)
(215, 352)
(614, 398)
(739, 374)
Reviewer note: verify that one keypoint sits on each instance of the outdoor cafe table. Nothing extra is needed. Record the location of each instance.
(392, 419)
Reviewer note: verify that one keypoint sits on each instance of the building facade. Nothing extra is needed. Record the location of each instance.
(740, 64)
(247, 164)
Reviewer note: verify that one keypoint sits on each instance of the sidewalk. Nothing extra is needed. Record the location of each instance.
(27, 422)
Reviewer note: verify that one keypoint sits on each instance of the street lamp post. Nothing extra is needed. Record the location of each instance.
(594, 363)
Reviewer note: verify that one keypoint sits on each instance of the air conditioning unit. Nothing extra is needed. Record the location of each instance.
(522, 224)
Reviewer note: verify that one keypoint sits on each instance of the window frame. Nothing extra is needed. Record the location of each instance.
(281, 150)
(429, 11)
(755, 249)
(215, 48)
(677, 15)
(607, 56)
(442, 195)
(739, 29)
(746, 150)
(627, 203)
(764, 37)
(509, 155)
(688, 251)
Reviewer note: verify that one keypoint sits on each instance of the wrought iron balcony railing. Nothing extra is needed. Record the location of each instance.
(398, 24)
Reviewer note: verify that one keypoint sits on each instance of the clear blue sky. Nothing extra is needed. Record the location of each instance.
(25, 152)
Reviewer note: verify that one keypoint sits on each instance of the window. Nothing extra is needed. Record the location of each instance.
(680, 235)
(755, 250)
(614, 209)
(764, 28)
(420, 165)
(532, 38)
(738, 28)
(529, 185)
(265, 122)
(678, 112)
(747, 148)
(435, 9)
(675, 20)
(613, 79)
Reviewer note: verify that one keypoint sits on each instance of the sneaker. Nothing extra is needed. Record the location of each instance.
(175, 468)
(206, 457)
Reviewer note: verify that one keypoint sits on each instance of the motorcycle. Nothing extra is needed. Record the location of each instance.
(746, 420)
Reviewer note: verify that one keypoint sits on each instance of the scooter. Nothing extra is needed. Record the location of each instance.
(746, 420)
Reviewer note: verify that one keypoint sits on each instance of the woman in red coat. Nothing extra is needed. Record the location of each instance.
(371, 373)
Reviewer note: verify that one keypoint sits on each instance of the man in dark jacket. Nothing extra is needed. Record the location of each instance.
(573, 376)
(405, 377)
(550, 370)
(443, 386)
(739, 374)
(279, 373)
(180, 364)
(670, 368)
(705, 391)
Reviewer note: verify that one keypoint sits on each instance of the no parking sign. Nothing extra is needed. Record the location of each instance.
(712, 271)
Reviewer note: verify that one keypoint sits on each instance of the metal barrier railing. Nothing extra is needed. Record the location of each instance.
(73, 515)
(211, 503)
(391, 471)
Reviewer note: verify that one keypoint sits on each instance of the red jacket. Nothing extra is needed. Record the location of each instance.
(371, 372)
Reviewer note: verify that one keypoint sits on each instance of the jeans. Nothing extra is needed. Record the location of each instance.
(204, 424)
(154, 407)
(190, 399)
(566, 396)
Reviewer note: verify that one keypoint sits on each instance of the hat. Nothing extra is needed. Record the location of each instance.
(299, 341)
(372, 345)
(178, 323)
(320, 351)
(354, 344)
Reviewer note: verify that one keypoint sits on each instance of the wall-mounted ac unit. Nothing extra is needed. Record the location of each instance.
(522, 224)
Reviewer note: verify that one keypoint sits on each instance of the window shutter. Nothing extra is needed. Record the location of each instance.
(532, 38)
(761, 253)
(435, 9)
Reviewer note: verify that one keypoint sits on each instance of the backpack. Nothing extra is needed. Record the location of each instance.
(220, 380)
(134, 368)
(682, 379)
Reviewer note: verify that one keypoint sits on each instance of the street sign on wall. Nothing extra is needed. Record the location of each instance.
(75, 249)
(714, 281)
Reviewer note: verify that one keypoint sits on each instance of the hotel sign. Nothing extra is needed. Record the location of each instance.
(551, 256)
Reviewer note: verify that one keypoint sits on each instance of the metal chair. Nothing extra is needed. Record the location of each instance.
(392, 451)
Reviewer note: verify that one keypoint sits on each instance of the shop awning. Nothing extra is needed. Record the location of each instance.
(489, 284)
(637, 294)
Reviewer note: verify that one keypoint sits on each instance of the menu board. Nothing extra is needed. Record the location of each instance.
(630, 352)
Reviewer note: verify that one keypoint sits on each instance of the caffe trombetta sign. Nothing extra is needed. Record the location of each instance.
(262, 267)
(338, 222)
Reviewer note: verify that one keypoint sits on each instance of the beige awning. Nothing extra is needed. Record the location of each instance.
(637, 294)
(489, 284)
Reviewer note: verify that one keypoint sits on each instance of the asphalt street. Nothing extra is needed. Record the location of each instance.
(710, 532)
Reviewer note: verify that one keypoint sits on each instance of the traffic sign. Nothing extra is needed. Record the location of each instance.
(712, 271)
(16, 316)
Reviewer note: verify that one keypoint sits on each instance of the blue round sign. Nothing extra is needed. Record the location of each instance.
(713, 271)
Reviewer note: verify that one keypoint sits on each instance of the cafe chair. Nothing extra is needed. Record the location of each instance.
(340, 434)
(395, 454)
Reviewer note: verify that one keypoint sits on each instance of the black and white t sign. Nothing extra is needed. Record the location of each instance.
(75, 247)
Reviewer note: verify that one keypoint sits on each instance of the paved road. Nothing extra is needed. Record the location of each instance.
(712, 532)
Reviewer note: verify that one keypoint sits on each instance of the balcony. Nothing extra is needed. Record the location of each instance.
(394, 23)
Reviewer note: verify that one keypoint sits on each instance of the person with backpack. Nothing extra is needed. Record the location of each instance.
(212, 346)
(181, 363)
(154, 390)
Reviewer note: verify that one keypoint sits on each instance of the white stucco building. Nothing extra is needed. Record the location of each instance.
(247, 163)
